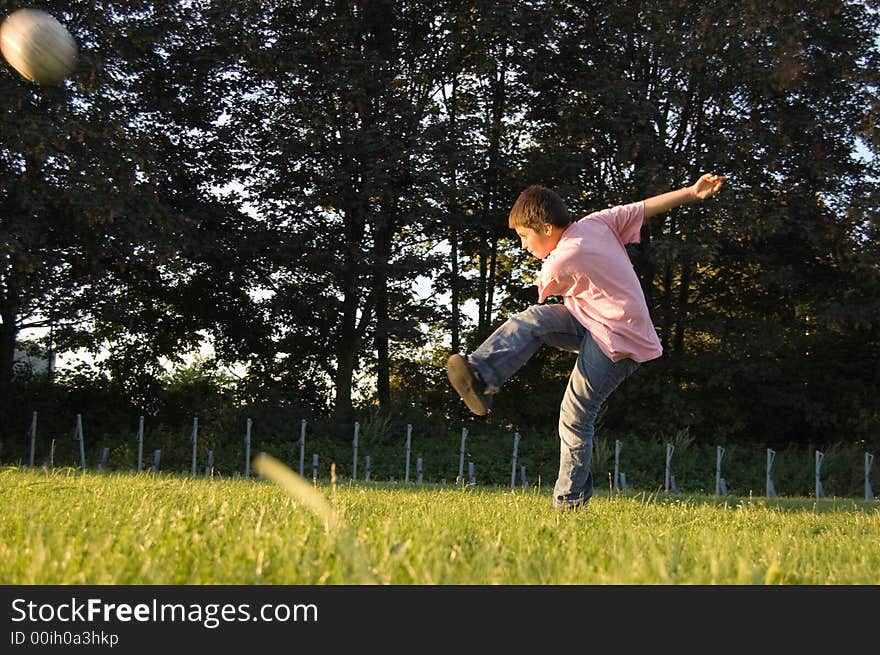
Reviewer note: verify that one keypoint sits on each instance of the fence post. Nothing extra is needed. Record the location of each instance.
(820, 490)
(669, 450)
(156, 455)
(408, 447)
(354, 465)
(315, 469)
(368, 461)
(719, 454)
(105, 455)
(140, 440)
(79, 437)
(33, 435)
(302, 447)
(513, 466)
(771, 488)
(209, 468)
(618, 446)
(194, 439)
(247, 449)
(869, 461)
(419, 470)
(461, 458)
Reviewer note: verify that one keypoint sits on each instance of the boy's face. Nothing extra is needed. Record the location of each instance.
(538, 243)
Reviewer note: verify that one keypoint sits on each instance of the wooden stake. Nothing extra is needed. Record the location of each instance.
(618, 446)
(354, 465)
(247, 450)
(771, 488)
(408, 446)
(140, 440)
(194, 438)
(302, 447)
(33, 435)
(513, 467)
(79, 437)
(460, 480)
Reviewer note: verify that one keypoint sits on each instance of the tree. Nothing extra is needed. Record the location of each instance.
(336, 172)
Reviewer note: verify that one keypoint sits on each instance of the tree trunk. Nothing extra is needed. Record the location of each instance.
(349, 343)
(490, 195)
(380, 290)
(490, 291)
(481, 317)
(666, 311)
(683, 301)
(455, 317)
(8, 334)
(346, 357)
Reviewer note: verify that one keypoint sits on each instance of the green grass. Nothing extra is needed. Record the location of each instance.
(65, 527)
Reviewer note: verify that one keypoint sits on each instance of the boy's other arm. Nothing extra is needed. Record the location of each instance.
(706, 186)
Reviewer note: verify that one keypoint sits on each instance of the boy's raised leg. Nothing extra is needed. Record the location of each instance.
(481, 374)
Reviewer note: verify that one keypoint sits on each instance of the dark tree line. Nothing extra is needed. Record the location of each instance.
(282, 178)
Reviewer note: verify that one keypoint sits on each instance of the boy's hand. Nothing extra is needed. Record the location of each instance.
(707, 185)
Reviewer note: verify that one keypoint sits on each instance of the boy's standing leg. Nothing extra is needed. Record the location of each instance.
(593, 379)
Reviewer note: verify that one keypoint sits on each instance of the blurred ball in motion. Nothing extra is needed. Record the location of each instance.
(37, 46)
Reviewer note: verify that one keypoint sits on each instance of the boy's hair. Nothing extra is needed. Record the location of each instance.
(538, 205)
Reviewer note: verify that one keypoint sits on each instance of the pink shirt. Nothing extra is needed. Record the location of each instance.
(591, 269)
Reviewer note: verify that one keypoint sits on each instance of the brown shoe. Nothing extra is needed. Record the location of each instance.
(466, 383)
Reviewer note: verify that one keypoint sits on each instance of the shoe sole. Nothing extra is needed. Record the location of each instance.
(462, 380)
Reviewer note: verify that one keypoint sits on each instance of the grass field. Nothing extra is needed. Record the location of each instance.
(64, 527)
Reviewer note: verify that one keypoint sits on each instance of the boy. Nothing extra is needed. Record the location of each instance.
(604, 317)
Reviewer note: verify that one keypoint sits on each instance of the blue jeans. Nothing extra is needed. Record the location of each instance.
(593, 379)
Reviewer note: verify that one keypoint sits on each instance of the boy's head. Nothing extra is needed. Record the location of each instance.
(538, 205)
(539, 217)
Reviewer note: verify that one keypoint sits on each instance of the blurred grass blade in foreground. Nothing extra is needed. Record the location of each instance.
(356, 566)
(297, 488)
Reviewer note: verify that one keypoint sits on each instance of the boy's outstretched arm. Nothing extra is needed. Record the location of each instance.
(707, 185)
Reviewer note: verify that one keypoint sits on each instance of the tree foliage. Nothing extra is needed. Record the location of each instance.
(283, 179)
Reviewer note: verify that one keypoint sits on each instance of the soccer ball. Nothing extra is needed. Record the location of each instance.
(37, 46)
